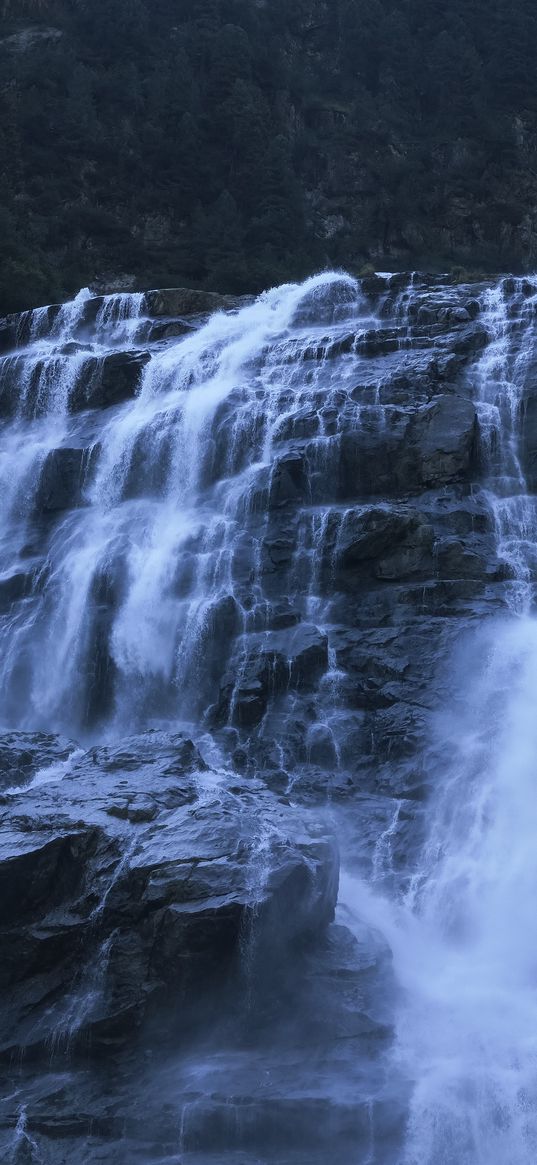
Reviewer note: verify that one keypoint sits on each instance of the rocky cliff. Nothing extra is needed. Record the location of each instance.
(241, 540)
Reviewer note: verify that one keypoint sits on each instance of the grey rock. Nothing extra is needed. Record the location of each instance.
(129, 883)
(109, 381)
(444, 435)
(184, 301)
(390, 542)
(62, 480)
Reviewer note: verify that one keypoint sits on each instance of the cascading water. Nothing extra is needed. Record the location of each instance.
(502, 377)
(463, 937)
(172, 553)
(176, 475)
(463, 934)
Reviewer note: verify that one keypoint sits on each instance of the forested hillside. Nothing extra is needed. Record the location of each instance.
(236, 143)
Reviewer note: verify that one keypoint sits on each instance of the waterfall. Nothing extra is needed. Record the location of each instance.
(463, 937)
(502, 377)
(228, 524)
(462, 933)
(164, 494)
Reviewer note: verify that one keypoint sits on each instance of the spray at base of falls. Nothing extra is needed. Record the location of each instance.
(463, 940)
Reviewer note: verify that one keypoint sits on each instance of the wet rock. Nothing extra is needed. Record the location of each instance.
(10, 370)
(8, 335)
(16, 329)
(62, 480)
(123, 887)
(184, 301)
(289, 480)
(529, 438)
(471, 341)
(448, 366)
(275, 662)
(444, 435)
(280, 1085)
(109, 381)
(15, 587)
(23, 755)
(389, 542)
(404, 451)
(307, 654)
(261, 677)
(455, 559)
(169, 329)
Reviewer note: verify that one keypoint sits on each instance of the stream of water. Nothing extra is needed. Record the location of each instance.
(153, 581)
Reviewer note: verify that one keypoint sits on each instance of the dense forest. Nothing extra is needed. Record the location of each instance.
(235, 143)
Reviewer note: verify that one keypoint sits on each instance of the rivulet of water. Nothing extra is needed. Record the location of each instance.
(502, 378)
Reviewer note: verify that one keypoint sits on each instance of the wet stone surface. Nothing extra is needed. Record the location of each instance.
(261, 533)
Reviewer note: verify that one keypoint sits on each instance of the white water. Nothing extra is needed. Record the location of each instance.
(502, 375)
(464, 940)
(48, 775)
(163, 524)
(464, 937)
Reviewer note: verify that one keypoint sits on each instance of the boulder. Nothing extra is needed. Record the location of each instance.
(185, 301)
(134, 880)
(109, 381)
(169, 329)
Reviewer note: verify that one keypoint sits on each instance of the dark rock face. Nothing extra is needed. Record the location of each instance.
(326, 534)
(412, 449)
(109, 381)
(140, 870)
(22, 755)
(62, 480)
(182, 301)
(389, 543)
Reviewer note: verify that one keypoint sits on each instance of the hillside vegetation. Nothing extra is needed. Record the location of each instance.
(236, 143)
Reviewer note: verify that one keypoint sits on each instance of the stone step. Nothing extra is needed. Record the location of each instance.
(75, 379)
(164, 305)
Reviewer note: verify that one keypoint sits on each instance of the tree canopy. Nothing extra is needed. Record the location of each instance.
(236, 143)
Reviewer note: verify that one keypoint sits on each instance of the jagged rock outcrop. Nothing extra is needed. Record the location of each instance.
(131, 877)
(182, 301)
